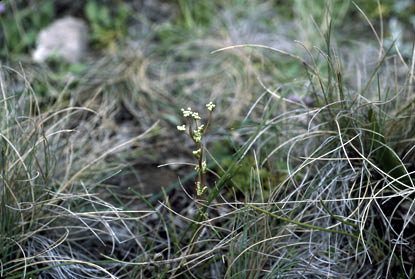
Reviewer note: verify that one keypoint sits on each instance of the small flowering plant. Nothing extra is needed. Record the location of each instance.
(195, 130)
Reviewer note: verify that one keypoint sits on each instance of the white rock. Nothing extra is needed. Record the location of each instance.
(66, 37)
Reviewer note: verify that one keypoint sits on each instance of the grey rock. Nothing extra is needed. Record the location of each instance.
(67, 38)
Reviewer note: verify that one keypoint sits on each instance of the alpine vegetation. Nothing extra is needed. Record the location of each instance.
(115, 164)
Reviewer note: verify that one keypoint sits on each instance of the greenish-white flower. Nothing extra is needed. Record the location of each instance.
(188, 112)
(199, 189)
(197, 135)
(196, 116)
(210, 106)
(197, 153)
(204, 166)
(181, 128)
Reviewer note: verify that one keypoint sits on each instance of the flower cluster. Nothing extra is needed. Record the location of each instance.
(210, 106)
(181, 128)
(199, 189)
(196, 131)
(189, 113)
(203, 169)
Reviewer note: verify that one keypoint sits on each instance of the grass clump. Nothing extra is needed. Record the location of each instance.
(335, 213)
(51, 218)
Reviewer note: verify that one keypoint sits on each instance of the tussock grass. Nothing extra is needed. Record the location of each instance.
(51, 216)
